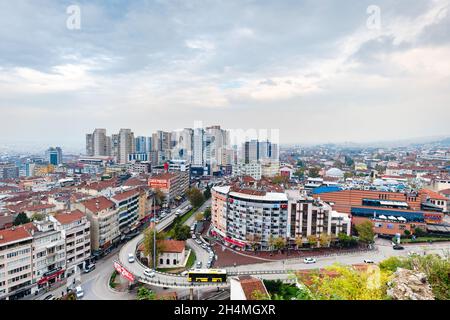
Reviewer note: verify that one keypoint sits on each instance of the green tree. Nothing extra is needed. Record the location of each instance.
(419, 232)
(149, 244)
(37, 217)
(20, 219)
(300, 173)
(365, 232)
(349, 161)
(346, 241)
(195, 196)
(199, 216)
(145, 294)
(346, 283)
(280, 179)
(181, 232)
(207, 213)
(314, 172)
(207, 192)
(258, 295)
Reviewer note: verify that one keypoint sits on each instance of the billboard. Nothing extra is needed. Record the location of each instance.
(123, 272)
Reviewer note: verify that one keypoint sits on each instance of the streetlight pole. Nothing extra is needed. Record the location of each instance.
(154, 237)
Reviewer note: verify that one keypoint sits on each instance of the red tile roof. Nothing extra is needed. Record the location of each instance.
(250, 285)
(445, 191)
(96, 205)
(172, 245)
(14, 234)
(69, 217)
(163, 176)
(433, 195)
(126, 194)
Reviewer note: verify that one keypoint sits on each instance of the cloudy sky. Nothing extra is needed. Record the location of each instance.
(320, 71)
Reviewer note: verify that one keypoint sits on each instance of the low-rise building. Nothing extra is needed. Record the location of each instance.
(247, 288)
(173, 184)
(173, 254)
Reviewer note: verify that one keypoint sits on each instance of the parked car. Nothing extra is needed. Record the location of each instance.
(198, 241)
(204, 246)
(89, 268)
(149, 273)
(79, 292)
(131, 258)
(50, 297)
(368, 261)
(398, 247)
(184, 273)
(199, 264)
(309, 260)
(194, 236)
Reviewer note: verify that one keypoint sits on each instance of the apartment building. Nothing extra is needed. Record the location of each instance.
(77, 233)
(127, 203)
(252, 169)
(173, 184)
(308, 216)
(16, 255)
(104, 221)
(49, 254)
(249, 216)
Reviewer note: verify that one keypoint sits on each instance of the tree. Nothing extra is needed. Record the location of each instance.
(159, 196)
(279, 179)
(324, 240)
(254, 240)
(419, 232)
(207, 192)
(346, 241)
(199, 216)
(258, 295)
(312, 240)
(207, 213)
(300, 173)
(407, 233)
(37, 217)
(145, 294)
(20, 219)
(365, 232)
(349, 161)
(314, 172)
(181, 232)
(299, 242)
(195, 196)
(279, 243)
(346, 283)
(149, 244)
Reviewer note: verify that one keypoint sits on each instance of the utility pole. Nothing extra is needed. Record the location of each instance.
(154, 236)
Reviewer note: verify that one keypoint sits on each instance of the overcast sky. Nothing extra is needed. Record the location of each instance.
(313, 69)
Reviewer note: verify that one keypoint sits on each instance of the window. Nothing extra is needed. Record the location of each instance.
(167, 261)
(174, 261)
(160, 261)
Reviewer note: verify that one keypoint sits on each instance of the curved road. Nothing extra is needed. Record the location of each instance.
(164, 279)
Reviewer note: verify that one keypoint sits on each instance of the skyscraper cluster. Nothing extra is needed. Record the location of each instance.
(207, 150)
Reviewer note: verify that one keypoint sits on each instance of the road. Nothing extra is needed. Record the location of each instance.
(164, 279)
(96, 283)
(383, 251)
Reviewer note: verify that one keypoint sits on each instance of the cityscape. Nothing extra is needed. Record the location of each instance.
(141, 172)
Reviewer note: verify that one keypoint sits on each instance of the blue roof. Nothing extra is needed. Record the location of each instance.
(325, 189)
(368, 212)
